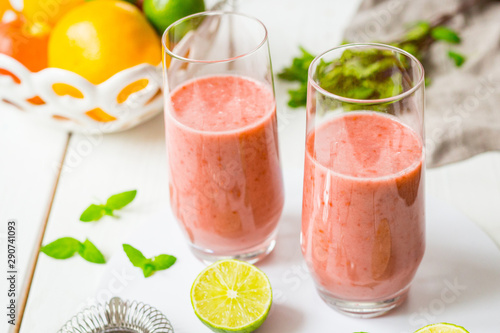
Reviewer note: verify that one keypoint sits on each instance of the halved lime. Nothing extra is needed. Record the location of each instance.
(442, 328)
(232, 296)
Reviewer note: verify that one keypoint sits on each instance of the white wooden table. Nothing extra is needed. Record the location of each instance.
(47, 199)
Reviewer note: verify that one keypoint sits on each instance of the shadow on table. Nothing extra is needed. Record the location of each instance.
(152, 130)
(282, 318)
(450, 281)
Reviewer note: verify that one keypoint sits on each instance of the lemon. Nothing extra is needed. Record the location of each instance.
(231, 296)
(47, 12)
(442, 328)
(162, 13)
(101, 38)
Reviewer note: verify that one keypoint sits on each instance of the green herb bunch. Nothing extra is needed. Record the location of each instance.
(373, 74)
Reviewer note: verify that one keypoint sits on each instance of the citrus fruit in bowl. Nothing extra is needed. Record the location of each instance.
(25, 44)
(47, 12)
(162, 13)
(99, 66)
(101, 38)
(86, 65)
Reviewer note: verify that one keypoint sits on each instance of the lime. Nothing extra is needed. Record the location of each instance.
(442, 328)
(232, 296)
(162, 13)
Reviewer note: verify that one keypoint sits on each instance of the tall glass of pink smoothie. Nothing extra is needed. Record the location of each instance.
(226, 187)
(363, 217)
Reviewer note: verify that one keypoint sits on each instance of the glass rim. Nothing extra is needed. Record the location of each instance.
(400, 96)
(213, 13)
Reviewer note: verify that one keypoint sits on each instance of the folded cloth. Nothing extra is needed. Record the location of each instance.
(462, 104)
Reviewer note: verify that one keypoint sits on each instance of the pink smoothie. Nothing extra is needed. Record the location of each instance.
(226, 187)
(363, 208)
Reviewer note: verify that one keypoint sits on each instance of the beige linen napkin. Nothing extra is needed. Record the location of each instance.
(462, 104)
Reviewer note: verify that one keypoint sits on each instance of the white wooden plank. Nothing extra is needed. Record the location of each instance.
(112, 164)
(29, 158)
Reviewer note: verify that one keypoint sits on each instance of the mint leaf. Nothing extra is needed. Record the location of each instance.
(66, 247)
(411, 48)
(63, 248)
(90, 253)
(420, 30)
(118, 201)
(298, 97)
(362, 74)
(148, 269)
(458, 58)
(298, 72)
(109, 212)
(135, 256)
(445, 34)
(114, 202)
(92, 213)
(148, 266)
(299, 67)
(163, 261)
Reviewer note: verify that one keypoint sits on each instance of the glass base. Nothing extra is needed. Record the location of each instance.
(364, 309)
(251, 255)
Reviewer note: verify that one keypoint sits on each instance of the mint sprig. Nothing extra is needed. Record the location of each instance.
(115, 202)
(66, 247)
(148, 266)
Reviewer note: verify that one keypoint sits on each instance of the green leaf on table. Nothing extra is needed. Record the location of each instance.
(62, 248)
(93, 213)
(418, 31)
(445, 34)
(118, 201)
(148, 269)
(163, 261)
(458, 58)
(66, 247)
(148, 266)
(90, 253)
(135, 256)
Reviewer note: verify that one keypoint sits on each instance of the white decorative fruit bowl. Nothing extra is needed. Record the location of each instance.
(69, 101)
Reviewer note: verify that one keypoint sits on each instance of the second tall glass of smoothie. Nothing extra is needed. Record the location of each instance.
(226, 187)
(363, 217)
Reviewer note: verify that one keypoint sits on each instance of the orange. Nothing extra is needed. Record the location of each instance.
(47, 12)
(101, 38)
(22, 44)
(4, 6)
